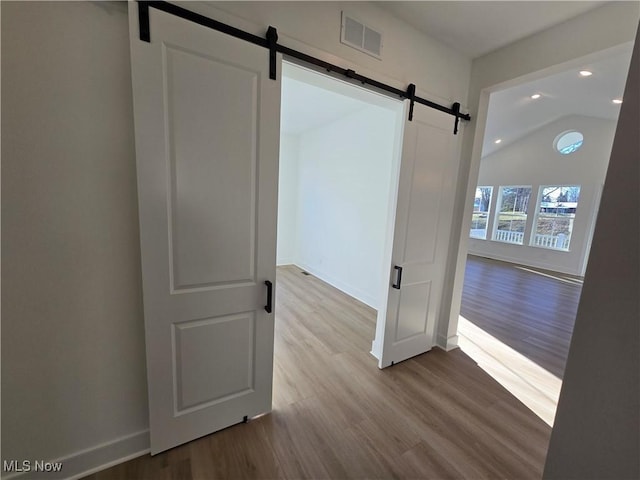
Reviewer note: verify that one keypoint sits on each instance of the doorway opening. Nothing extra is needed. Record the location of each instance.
(340, 149)
(544, 159)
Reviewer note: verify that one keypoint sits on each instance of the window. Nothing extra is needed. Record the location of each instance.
(556, 212)
(568, 142)
(512, 214)
(480, 217)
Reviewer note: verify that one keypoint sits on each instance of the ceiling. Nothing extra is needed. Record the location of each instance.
(313, 100)
(475, 28)
(514, 114)
(306, 106)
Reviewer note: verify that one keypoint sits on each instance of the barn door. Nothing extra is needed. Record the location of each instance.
(207, 121)
(421, 235)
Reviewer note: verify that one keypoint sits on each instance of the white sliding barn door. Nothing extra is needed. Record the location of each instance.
(421, 236)
(207, 121)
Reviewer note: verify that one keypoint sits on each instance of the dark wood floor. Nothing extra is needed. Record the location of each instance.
(531, 312)
(336, 415)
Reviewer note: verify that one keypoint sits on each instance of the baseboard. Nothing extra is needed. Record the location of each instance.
(524, 262)
(375, 350)
(340, 285)
(447, 344)
(92, 460)
(284, 261)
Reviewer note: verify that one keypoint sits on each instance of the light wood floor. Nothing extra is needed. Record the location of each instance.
(336, 415)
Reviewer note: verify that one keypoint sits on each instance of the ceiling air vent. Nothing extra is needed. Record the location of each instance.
(360, 36)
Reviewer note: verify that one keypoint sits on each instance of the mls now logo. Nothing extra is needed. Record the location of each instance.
(29, 466)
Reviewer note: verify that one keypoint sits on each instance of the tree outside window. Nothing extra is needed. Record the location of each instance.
(556, 213)
(512, 214)
(481, 205)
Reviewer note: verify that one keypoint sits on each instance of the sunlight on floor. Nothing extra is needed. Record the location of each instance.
(528, 382)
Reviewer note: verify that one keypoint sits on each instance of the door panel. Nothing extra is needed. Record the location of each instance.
(428, 147)
(207, 138)
(230, 364)
(411, 320)
(203, 186)
(421, 236)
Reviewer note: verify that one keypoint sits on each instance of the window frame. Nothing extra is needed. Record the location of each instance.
(488, 212)
(576, 145)
(496, 215)
(534, 226)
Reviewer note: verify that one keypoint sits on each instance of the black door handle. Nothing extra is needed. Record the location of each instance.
(269, 305)
(398, 278)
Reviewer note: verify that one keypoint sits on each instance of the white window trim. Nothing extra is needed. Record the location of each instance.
(496, 215)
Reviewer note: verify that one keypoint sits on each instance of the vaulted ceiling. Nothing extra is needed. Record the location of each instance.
(514, 114)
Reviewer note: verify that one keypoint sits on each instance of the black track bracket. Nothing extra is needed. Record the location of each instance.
(272, 44)
(143, 20)
(411, 96)
(456, 111)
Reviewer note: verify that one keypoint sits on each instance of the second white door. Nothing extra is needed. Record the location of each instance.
(421, 236)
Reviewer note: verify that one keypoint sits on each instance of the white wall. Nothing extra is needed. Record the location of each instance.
(550, 51)
(533, 161)
(345, 171)
(73, 368)
(73, 363)
(288, 181)
(595, 433)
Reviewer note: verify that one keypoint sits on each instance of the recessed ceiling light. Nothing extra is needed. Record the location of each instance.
(535, 96)
(617, 101)
(498, 140)
(585, 73)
